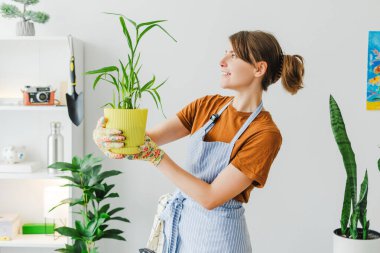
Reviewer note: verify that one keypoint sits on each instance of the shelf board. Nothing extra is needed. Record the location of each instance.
(35, 241)
(33, 38)
(32, 108)
(39, 174)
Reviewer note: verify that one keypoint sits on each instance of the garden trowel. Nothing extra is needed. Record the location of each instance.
(74, 101)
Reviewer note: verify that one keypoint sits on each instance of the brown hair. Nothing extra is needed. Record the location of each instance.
(255, 46)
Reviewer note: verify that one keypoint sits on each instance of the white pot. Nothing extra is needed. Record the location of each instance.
(346, 245)
(25, 29)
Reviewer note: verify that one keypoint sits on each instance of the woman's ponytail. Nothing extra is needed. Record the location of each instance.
(292, 73)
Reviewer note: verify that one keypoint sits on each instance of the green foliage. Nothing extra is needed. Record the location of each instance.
(87, 176)
(353, 211)
(27, 2)
(125, 76)
(11, 11)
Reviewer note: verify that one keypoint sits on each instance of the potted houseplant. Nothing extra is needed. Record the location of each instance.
(349, 238)
(86, 175)
(24, 27)
(123, 112)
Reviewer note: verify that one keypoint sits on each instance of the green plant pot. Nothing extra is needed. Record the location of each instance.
(133, 124)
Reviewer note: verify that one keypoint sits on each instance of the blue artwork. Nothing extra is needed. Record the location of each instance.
(373, 71)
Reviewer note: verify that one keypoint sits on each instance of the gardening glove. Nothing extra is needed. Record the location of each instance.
(149, 151)
(107, 138)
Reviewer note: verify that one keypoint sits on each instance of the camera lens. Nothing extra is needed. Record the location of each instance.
(42, 97)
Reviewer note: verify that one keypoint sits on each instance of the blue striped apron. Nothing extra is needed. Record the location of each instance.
(191, 228)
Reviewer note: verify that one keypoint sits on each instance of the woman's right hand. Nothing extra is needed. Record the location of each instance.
(107, 138)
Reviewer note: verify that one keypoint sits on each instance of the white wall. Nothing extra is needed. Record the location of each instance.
(300, 205)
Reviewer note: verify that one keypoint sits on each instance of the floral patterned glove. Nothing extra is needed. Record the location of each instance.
(106, 139)
(149, 151)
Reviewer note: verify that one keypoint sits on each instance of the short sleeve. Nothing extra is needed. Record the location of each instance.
(187, 114)
(256, 156)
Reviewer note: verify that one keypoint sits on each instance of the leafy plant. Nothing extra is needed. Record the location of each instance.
(125, 77)
(11, 11)
(354, 210)
(86, 175)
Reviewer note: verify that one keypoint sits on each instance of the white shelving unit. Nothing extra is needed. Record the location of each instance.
(36, 61)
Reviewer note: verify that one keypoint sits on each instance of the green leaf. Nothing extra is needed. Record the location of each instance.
(145, 31)
(67, 231)
(137, 62)
(37, 16)
(80, 228)
(148, 84)
(120, 219)
(98, 187)
(10, 11)
(125, 76)
(110, 213)
(130, 20)
(344, 144)
(80, 246)
(96, 170)
(166, 32)
(70, 201)
(110, 104)
(112, 195)
(104, 209)
(155, 88)
(362, 203)
(102, 70)
(151, 93)
(76, 161)
(150, 23)
(126, 33)
(108, 173)
(346, 210)
(113, 234)
(150, 27)
(74, 180)
(61, 165)
(91, 227)
(97, 80)
(354, 223)
(114, 81)
(113, 231)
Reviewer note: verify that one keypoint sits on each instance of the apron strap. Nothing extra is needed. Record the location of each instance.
(246, 123)
(214, 117)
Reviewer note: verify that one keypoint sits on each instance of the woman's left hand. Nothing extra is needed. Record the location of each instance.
(149, 151)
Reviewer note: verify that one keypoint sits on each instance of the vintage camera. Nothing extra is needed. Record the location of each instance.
(35, 95)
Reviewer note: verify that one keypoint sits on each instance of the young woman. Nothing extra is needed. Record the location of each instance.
(233, 142)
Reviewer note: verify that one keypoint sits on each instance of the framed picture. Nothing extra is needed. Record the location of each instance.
(373, 71)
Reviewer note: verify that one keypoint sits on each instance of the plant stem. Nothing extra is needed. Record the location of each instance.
(85, 201)
(23, 14)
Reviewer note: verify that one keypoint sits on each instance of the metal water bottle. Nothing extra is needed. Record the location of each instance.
(55, 145)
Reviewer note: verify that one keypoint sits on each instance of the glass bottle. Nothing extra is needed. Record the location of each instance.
(55, 145)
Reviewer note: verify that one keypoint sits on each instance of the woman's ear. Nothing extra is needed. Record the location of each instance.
(260, 68)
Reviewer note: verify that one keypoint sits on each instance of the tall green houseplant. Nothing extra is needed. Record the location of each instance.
(125, 77)
(86, 175)
(124, 112)
(354, 209)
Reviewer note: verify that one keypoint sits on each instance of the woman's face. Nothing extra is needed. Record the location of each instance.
(236, 74)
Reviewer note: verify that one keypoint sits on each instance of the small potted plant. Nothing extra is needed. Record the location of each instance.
(123, 112)
(86, 175)
(24, 27)
(349, 238)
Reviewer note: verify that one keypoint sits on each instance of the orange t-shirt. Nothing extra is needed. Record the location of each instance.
(256, 148)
